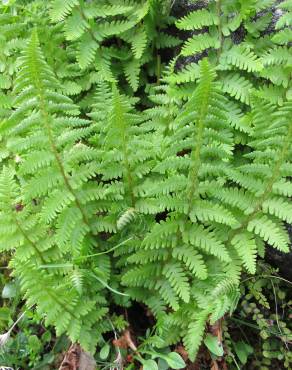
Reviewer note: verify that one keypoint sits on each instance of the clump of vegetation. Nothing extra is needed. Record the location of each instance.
(259, 333)
(122, 192)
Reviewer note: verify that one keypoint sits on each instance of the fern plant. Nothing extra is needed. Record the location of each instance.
(159, 205)
(53, 213)
(73, 189)
(138, 29)
(248, 46)
(218, 213)
(16, 23)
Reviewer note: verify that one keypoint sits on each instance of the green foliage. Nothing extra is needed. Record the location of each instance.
(247, 46)
(137, 26)
(30, 350)
(198, 230)
(61, 202)
(263, 314)
(30, 344)
(104, 201)
(153, 357)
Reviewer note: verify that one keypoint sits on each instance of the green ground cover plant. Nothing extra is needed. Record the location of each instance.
(127, 180)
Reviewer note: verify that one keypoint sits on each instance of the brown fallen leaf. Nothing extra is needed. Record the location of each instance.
(216, 330)
(121, 343)
(214, 365)
(71, 359)
(86, 362)
(77, 359)
(125, 341)
(182, 351)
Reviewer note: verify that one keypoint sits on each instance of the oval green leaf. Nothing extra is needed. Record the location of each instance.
(9, 291)
(243, 350)
(174, 360)
(150, 365)
(104, 352)
(213, 345)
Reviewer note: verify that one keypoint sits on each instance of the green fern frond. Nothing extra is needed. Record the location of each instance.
(207, 211)
(167, 41)
(271, 93)
(103, 65)
(256, 27)
(168, 294)
(132, 71)
(104, 10)
(127, 217)
(190, 73)
(86, 51)
(106, 29)
(285, 5)
(77, 280)
(75, 26)
(278, 75)
(284, 21)
(283, 187)
(205, 240)
(277, 55)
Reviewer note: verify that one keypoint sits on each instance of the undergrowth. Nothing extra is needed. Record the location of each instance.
(125, 180)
